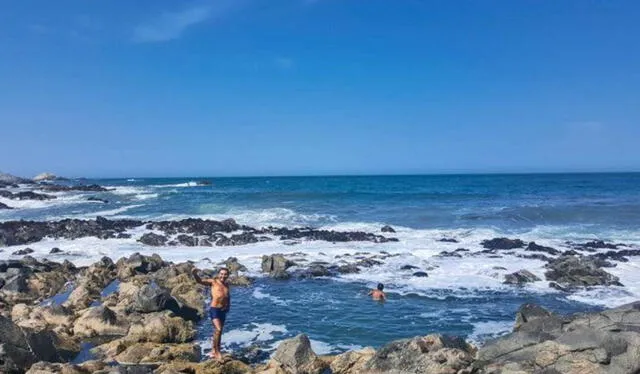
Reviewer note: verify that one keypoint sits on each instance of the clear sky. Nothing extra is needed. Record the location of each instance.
(306, 87)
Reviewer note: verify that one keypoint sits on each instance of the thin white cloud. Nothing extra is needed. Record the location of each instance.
(171, 25)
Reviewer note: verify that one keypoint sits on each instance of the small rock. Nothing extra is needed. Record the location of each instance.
(55, 250)
(420, 274)
(387, 228)
(23, 252)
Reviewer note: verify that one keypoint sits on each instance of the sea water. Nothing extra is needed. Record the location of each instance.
(462, 296)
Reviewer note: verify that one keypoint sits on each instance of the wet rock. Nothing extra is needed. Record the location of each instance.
(499, 268)
(420, 274)
(317, 270)
(428, 354)
(233, 265)
(449, 254)
(152, 239)
(80, 188)
(4, 206)
(387, 228)
(574, 272)
(20, 348)
(533, 247)
(409, 267)
(29, 195)
(502, 243)
(348, 269)
(597, 244)
(448, 240)
(295, 356)
(276, 265)
(23, 252)
(536, 256)
(240, 280)
(529, 313)
(326, 235)
(55, 250)
(97, 199)
(196, 226)
(520, 277)
(368, 262)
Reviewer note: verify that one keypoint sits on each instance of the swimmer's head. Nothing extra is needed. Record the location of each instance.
(380, 286)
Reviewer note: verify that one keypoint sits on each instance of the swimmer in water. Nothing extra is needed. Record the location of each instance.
(378, 294)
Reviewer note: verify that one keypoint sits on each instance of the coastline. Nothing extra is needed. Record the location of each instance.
(56, 257)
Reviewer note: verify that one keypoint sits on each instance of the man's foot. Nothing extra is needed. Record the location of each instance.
(218, 356)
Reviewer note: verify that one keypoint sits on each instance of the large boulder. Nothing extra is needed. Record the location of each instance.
(100, 321)
(604, 342)
(520, 277)
(295, 356)
(20, 348)
(352, 362)
(502, 243)
(138, 264)
(578, 271)
(153, 298)
(153, 239)
(276, 265)
(160, 327)
(429, 355)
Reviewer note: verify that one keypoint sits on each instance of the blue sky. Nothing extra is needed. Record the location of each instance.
(307, 87)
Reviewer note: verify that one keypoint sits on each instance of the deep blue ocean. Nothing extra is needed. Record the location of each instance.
(463, 296)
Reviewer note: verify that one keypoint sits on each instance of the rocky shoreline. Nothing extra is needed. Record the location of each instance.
(146, 324)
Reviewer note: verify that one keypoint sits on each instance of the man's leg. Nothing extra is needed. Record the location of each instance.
(218, 325)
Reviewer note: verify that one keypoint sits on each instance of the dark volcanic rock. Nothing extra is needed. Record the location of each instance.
(81, 188)
(420, 274)
(25, 232)
(573, 271)
(536, 256)
(408, 267)
(502, 243)
(520, 277)
(152, 298)
(387, 228)
(92, 198)
(55, 250)
(448, 240)
(4, 206)
(28, 195)
(597, 244)
(196, 226)
(533, 247)
(152, 239)
(23, 252)
(449, 254)
(276, 265)
(348, 269)
(326, 235)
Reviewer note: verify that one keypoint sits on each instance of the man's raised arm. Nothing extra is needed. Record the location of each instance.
(204, 282)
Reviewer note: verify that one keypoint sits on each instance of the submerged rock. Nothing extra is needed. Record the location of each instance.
(502, 243)
(574, 271)
(387, 228)
(520, 277)
(152, 239)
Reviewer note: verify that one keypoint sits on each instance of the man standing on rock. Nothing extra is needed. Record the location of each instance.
(220, 303)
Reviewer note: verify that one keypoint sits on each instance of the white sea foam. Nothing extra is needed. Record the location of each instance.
(179, 185)
(461, 277)
(248, 335)
(109, 212)
(259, 294)
(483, 331)
(61, 199)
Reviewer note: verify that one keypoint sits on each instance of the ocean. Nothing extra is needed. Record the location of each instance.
(461, 295)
